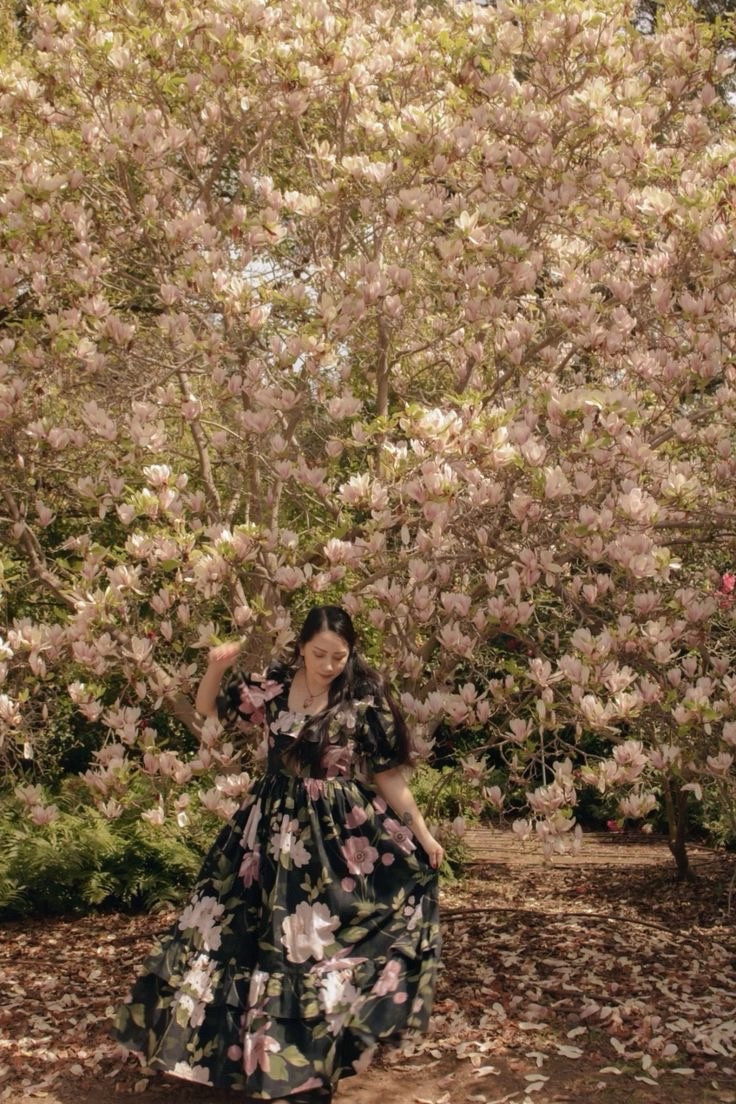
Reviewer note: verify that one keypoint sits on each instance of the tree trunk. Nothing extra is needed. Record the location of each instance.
(676, 809)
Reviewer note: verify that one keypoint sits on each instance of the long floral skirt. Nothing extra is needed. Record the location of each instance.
(311, 935)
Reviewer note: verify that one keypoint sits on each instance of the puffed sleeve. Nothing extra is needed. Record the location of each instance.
(243, 698)
(379, 739)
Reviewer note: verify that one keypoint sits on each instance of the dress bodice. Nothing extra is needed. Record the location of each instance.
(361, 737)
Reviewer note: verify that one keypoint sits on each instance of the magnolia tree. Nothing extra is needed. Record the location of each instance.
(428, 309)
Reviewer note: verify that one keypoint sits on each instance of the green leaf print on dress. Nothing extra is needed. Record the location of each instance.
(312, 931)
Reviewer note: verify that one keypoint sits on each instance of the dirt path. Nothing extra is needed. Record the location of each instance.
(593, 977)
(634, 849)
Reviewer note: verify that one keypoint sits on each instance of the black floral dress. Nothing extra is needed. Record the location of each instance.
(312, 932)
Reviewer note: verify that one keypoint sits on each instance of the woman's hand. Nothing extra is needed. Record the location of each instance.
(219, 659)
(392, 787)
(224, 655)
(435, 851)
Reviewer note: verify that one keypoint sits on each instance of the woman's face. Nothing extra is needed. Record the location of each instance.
(325, 656)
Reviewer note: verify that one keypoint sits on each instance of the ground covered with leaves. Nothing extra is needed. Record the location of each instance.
(600, 978)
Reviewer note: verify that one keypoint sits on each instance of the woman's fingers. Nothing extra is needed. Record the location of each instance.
(225, 653)
(435, 853)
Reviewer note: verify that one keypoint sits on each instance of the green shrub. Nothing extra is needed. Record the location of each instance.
(443, 794)
(83, 861)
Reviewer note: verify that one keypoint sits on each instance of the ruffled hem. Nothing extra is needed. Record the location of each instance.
(310, 937)
(324, 1020)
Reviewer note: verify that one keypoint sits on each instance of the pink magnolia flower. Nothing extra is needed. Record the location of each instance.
(44, 814)
(360, 855)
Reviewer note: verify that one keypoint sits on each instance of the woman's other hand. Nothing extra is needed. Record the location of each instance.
(219, 659)
(224, 655)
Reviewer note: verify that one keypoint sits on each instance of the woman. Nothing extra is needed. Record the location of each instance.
(312, 932)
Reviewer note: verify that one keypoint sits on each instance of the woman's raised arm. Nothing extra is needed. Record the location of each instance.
(219, 659)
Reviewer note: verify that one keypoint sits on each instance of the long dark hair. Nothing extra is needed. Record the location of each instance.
(357, 681)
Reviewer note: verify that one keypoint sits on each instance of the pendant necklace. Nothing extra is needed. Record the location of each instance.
(310, 698)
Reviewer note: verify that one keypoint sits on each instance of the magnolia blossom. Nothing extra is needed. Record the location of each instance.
(720, 764)
(729, 733)
(521, 828)
(474, 769)
(630, 759)
(637, 805)
(494, 796)
(30, 795)
(43, 814)
(496, 434)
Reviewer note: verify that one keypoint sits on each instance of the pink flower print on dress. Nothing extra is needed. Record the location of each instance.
(356, 817)
(196, 990)
(200, 1074)
(253, 698)
(250, 868)
(308, 1085)
(285, 843)
(315, 787)
(308, 931)
(248, 839)
(337, 996)
(336, 761)
(360, 855)
(388, 979)
(203, 914)
(401, 835)
(256, 1050)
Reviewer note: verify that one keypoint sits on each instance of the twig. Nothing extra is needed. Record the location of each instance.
(461, 914)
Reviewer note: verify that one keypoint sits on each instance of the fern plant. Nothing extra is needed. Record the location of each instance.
(82, 861)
